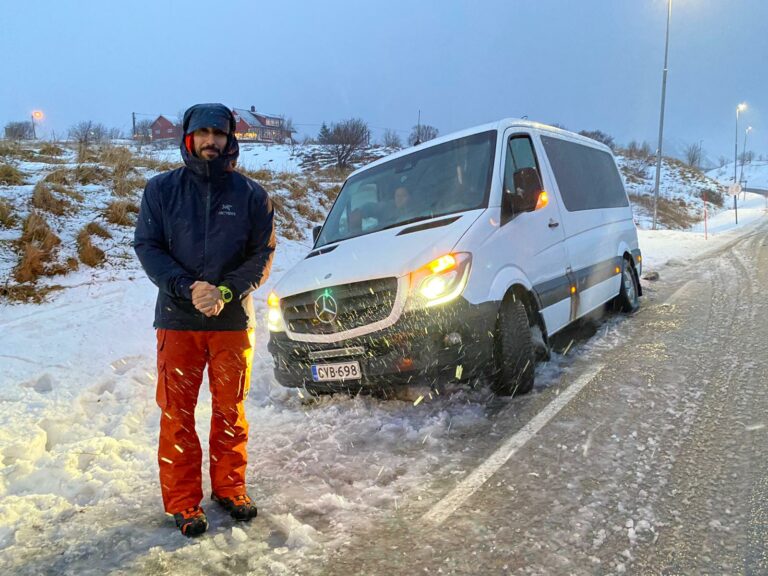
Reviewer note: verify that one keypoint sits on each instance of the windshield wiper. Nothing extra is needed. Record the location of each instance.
(408, 221)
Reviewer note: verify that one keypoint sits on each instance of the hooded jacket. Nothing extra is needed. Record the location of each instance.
(205, 221)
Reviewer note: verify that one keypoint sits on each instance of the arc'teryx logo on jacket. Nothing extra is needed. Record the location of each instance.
(204, 222)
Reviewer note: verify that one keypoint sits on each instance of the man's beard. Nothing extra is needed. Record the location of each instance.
(214, 149)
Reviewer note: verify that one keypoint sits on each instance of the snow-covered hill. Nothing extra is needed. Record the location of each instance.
(681, 191)
(755, 173)
(78, 421)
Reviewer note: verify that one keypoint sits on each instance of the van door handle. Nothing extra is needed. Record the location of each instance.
(553, 224)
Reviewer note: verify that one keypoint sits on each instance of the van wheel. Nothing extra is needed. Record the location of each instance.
(515, 354)
(628, 300)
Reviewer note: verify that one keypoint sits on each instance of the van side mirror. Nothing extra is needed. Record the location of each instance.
(316, 233)
(527, 187)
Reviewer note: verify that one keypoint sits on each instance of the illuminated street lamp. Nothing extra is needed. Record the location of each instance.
(36, 115)
(661, 117)
(740, 108)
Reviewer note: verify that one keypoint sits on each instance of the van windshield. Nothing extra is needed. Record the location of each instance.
(451, 177)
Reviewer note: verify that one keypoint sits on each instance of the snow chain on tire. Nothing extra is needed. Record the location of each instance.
(515, 351)
(628, 302)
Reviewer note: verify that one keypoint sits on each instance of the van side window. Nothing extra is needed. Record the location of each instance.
(520, 154)
(587, 177)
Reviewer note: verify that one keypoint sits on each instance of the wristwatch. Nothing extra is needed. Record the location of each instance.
(226, 294)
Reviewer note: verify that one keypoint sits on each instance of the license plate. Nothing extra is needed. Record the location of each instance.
(340, 371)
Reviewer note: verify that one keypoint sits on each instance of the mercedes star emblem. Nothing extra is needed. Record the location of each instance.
(326, 308)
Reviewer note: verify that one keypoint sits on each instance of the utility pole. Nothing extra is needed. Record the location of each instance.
(661, 117)
(134, 124)
(739, 108)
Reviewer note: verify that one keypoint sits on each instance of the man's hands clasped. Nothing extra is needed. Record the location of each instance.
(207, 298)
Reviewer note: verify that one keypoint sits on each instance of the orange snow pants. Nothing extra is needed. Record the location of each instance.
(181, 358)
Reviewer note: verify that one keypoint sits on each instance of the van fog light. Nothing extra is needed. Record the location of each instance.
(452, 339)
(274, 315)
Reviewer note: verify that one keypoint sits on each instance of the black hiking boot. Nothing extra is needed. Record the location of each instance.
(239, 507)
(191, 521)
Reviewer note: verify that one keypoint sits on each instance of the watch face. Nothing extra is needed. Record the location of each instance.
(226, 293)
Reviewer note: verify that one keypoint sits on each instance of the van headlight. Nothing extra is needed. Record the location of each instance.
(274, 315)
(440, 281)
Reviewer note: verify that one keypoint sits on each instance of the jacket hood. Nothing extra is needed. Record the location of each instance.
(210, 115)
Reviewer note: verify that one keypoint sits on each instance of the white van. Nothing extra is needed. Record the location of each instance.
(458, 257)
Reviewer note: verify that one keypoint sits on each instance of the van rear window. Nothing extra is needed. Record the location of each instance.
(586, 177)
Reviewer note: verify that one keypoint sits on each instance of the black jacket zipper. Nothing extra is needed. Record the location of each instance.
(205, 238)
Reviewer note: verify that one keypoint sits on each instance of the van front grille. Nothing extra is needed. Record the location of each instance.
(340, 308)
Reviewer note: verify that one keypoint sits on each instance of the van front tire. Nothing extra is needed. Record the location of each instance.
(628, 300)
(515, 352)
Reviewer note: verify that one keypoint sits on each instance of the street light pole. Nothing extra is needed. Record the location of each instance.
(744, 152)
(661, 117)
(36, 115)
(739, 108)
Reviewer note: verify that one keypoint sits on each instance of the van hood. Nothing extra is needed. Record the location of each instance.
(383, 254)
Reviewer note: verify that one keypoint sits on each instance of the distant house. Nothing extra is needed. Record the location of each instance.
(255, 127)
(164, 128)
(251, 127)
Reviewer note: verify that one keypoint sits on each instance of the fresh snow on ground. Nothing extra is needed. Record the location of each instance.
(755, 173)
(78, 427)
(674, 247)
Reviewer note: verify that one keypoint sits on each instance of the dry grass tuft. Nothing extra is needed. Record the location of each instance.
(96, 229)
(261, 176)
(309, 212)
(60, 176)
(114, 155)
(10, 175)
(8, 217)
(673, 214)
(90, 174)
(51, 149)
(68, 192)
(44, 199)
(15, 150)
(120, 159)
(27, 292)
(120, 212)
(122, 187)
(36, 230)
(296, 189)
(331, 193)
(32, 263)
(86, 155)
(716, 197)
(157, 165)
(89, 254)
(8, 149)
(334, 173)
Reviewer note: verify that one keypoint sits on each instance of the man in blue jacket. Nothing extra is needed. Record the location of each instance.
(205, 236)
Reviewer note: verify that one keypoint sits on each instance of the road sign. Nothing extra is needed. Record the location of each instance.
(734, 189)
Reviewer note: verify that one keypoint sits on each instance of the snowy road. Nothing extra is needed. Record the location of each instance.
(657, 465)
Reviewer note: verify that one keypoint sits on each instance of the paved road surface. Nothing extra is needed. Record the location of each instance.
(657, 466)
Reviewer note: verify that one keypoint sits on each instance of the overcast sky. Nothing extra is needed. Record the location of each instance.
(584, 64)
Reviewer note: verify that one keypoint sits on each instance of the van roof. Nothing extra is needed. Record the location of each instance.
(498, 125)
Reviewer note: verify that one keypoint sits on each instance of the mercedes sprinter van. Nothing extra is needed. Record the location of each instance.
(456, 258)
